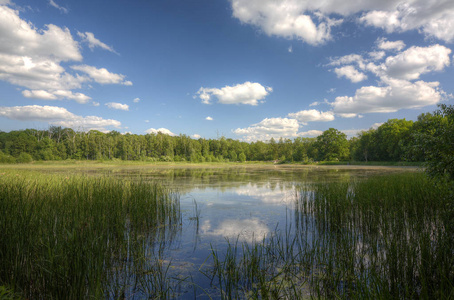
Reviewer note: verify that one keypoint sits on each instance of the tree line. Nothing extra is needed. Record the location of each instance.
(394, 140)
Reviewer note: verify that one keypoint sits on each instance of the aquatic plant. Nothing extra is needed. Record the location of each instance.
(384, 237)
(77, 237)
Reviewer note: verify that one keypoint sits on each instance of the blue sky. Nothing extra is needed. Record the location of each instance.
(243, 69)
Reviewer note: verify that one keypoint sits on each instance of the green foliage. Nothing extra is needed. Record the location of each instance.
(24, 158)
(435, 141)
(332, 145)
(6, 158)
(428, 139)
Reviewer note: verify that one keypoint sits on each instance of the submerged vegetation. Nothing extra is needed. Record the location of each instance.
(72, 237)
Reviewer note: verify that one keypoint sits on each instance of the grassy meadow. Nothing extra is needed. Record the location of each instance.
(78, 237)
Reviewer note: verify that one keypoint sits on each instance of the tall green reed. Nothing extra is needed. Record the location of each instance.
(76, 237)
(384, 237)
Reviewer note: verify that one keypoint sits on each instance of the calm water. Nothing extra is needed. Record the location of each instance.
(231, 205)
(238, 204)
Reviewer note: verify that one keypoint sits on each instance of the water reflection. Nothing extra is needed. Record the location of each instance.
(223, 205)
(245, 230)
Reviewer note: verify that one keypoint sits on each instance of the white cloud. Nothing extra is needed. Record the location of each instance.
(89, 38)
(396, 89)
(349, 116)
(308, 20)
(389, 21)
(377, 55)
(62, 9)
(415, 61)
(269, 128)
(399, 94)
(119, 106)
(136, 100)
(58, 116)
(95, 103)
(209, 118)
(39, 94)
(348, 60)
(102, 75)
(196, 136)
(250, 93)
(20, 38)
(31, 58)
(350, 73)
(56, 95)
(390, 45)
(433, 18)
(290, 49)
(37, 73)
(310, 133)
(291, 19)
(161, 130)
(312, 115)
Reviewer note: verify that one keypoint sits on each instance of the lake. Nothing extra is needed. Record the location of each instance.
(224, 206)
(228, 231)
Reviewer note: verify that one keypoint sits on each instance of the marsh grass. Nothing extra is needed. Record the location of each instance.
(385, 237)
(75, 237)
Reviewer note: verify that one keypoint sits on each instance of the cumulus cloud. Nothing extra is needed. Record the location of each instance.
(397, 88)
(161, 130)
(399, 94)
(415, 61)
(32, 57)
(269, 128)
(136, 100)
(20, 38)
(305, 116)
(196, 136)
(119, 106)
(433, 18)
(209, 118)
(54, 4)
(384, 44)
(377, 55)
(350, 73)
(56, 95)
(348, 60)
(290, 19)
(57, 116)
(349, 116)
(250, 93)
(312, 21)
(102, 75)
(310, 133)
(89, 38)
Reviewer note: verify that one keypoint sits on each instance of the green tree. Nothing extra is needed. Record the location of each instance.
(437, 140)
(365, 145)
(391, 139)
(242, 157)
(332, 145)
